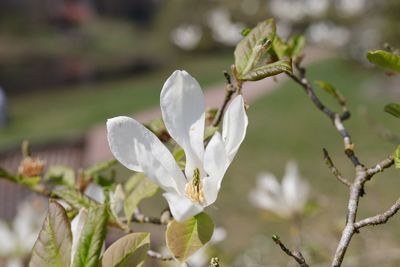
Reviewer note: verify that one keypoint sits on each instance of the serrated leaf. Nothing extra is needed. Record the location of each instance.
(60, 175)
(130, 250)
(53, 246)
(92, 238)
(296, 44)
(137, 188)
(249, 50)
(384, 59)
(397, 158)
(284, 65)
(185, 238)
(75, 198)
(393, 109)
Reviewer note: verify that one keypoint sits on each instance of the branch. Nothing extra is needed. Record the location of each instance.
(158, 256)
(334, 170)
(138, 217)
(230, 89)
(336, 118)
(384, 164)
(380, 218)
(296, 255)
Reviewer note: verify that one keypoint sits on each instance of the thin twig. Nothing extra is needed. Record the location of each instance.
(230, 89)
(334, 170)
(380, 218)
(384, 164)
(138, 217)
(296, 255)
(158, 256)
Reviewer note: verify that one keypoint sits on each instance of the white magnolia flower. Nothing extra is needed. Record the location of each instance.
(182, 106)
(286, 199)
(16, 242)
(186, 36)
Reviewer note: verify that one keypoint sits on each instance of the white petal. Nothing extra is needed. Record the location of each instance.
(215, 164)
(117, 199)
(140, 150)
(8, 240)
(182, 107)
(95, 192)
(77, 225)
(181, 207)
(234, 126)
(294, 189)
(15, 262)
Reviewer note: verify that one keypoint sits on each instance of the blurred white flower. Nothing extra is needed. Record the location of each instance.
(16, 242)
(350, 7)
(286, 199)
(296, 10)
(328, 33)
(188, 192)
(186, 36)
(223, 29)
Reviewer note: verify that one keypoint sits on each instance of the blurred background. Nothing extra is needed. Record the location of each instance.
(68, 65)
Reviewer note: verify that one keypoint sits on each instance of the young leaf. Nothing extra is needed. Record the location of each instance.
(280, 48)
(384, 59)
(137, 188)
(251, 47)
(185, 238)
(53, 246)
(130, 250)
(397, 158)
(393, 109)
(92, 238)
(284, 65)
(61, 175)
(75, 198)
(296, 44)
(98, 168)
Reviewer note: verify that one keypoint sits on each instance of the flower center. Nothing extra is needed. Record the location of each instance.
(194, 188)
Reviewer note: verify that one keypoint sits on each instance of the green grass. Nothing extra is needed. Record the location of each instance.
(69, 112)
(285, 125)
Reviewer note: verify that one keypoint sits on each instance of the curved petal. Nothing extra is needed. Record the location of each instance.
(95, 192)
(181, 207)
(215, 164)
(234, 126)
(77, 225)
(182, 107)
(295, 190)
(8, 239)
(140, 150)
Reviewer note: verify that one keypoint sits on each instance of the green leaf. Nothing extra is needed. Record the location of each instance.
(53, 246)
(393, 109)
(60, 175)
(75, 198)
(130, 250)
(137, 188)
(29, 181)
(92, 238)
(280, 48)
(98, 168)
(5, 174)
(397, 158)
(284, 65)
(296, 44)
(185, 238)
(384, 59)
(250, 49)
